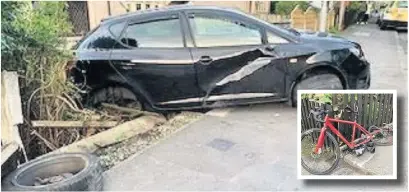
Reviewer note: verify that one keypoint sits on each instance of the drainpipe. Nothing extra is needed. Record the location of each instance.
(109, 7)
(323, 16)
(341, 15)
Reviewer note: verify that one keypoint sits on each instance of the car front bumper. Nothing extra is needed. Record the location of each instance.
(359, 74)
(395, 24)
(363, 80)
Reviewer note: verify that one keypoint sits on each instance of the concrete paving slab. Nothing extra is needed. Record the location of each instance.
(378, 163)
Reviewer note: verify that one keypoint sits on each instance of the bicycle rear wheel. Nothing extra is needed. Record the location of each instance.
(323, 163)
(383, 138)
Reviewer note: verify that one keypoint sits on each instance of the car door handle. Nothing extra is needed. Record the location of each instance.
(205, 60)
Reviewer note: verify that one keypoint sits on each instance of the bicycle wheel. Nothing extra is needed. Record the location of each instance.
(384, 137)
(323, 163)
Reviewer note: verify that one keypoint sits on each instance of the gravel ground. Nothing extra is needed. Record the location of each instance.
(116, 153)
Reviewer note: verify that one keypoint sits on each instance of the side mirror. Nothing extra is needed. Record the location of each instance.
(270, 48)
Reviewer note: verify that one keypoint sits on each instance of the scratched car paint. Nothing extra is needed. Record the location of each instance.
(188, 63)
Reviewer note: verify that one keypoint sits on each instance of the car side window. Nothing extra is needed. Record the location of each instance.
(209, 31)
(164, 33)
(275, 39)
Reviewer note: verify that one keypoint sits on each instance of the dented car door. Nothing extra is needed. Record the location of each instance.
(153, 56)
(232, 61)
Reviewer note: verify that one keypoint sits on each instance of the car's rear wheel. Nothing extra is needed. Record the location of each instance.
(318, 81)
(115, 95)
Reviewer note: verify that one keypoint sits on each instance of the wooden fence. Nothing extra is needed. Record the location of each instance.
(373, 109)
(272, 18)
(309, 20)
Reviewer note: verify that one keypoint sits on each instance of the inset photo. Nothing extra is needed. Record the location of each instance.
(344, 134)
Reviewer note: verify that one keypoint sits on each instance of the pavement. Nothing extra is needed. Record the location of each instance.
(379, 163)
(403, 39)
(255, 147)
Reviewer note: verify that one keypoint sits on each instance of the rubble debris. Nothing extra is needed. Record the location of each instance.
(53, 179)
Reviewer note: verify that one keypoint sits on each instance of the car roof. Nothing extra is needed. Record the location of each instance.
(168, 8)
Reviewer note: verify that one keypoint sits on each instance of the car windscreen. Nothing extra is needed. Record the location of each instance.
(403, 4)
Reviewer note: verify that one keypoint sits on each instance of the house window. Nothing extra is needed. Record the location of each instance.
(138, 6)
(148, 6)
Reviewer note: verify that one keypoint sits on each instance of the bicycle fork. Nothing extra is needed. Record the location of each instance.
(321, 139)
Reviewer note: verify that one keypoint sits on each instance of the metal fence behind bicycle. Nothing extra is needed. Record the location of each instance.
(373, 109)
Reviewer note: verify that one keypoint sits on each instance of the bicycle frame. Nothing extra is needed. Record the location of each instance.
(351, 144)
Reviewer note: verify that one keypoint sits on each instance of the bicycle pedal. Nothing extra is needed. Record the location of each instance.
(370, 146)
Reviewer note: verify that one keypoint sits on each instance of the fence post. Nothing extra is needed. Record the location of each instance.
(297, 18)
(311, 19)
(331, 19)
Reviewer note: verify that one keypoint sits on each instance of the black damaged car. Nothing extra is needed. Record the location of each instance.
(187, 57)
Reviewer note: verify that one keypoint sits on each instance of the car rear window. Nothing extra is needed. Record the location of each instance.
(81, 42)
(116, 29)
(163, 33)
(99, 38)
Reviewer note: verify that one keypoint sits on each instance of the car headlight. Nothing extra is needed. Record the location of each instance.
(356, 51)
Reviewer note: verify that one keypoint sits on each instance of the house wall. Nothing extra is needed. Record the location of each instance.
(98, 10)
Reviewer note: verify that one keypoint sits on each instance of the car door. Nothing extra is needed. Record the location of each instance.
(232, 60)
(153, 56)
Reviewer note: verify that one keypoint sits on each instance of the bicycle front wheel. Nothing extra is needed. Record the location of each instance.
(324, 162)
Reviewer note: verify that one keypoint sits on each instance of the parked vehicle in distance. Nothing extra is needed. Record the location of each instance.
(395, 15)
(187, 57)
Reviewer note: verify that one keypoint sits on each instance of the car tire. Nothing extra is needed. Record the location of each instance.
(120, 96)
(319, 81)
(86, 170)
(382, 26)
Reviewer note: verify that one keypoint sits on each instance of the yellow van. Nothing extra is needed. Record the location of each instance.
(395, 15)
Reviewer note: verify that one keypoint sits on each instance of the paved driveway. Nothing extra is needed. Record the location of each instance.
(254, 148)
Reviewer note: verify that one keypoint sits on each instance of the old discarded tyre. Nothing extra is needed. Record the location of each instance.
(319, 81)
(86, 173)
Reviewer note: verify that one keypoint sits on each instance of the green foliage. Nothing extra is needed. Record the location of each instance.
(321, 98)
(357, 5)
(33, 44)
(285, 7)
(334, 30)
(27, 30)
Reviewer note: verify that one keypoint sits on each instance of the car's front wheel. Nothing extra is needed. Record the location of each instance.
(382, 25)
(319, 81)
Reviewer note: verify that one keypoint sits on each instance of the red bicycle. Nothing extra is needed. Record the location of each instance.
(320, 151)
